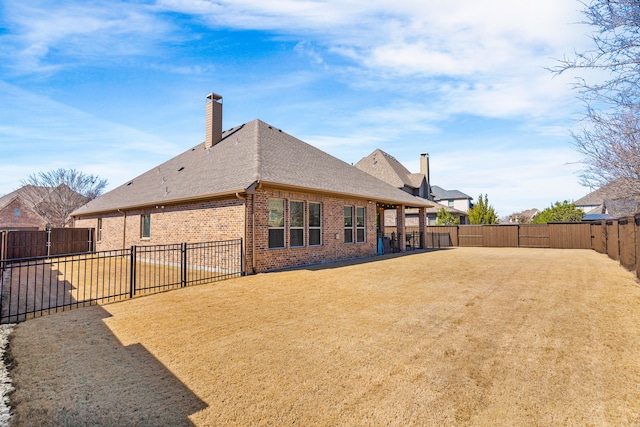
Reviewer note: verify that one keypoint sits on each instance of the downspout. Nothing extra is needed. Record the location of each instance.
(257, 185)
(244, 241)
(124, 228)
(253, 224)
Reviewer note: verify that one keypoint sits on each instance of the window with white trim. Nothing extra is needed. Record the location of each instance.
(360, 225)
(99, 229)
(348, 224)
(296, 224)
(315, 224)
(276, 223)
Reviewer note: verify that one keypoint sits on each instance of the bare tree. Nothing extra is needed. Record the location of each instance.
(609, 138)
(57, 193)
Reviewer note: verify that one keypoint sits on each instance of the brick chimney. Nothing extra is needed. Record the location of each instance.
(424, 169)
(214, 120)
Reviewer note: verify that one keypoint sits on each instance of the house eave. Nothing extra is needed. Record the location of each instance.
(379, 200)
(158, 203)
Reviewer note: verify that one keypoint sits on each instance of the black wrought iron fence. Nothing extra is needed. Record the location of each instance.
(31, 287)
(393, 242)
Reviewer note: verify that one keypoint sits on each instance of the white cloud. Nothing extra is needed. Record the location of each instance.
(70, 32)
(41, 134)
(493, 50)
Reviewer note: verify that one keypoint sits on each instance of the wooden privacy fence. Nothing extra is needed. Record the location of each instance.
(619, 238)
(55, 241)
(559, 236)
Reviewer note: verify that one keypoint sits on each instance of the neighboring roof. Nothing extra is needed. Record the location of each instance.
(610, 198)
(8, 198)
(597, 197)
(385, 167)
(435, 209)
(622, 207)
(442, 194)
(250, 153)
(597, 217)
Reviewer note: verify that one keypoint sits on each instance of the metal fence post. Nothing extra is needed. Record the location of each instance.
(241, 258)
(48, 242)
(183, 265)
(132, 272)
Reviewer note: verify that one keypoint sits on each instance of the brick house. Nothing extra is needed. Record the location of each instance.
(16, 214)
(291, 203)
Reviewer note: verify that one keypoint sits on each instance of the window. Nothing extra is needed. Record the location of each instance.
(16, 212)
(296, 224)
(360, 228)
(348, 224)
(145, 226)
(315, 224)
(276, 223)
(450, 203)
(99, 229)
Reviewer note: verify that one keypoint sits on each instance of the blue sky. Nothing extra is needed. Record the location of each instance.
(114, 88)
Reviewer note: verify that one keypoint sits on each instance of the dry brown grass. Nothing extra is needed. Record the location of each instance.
(468, 336)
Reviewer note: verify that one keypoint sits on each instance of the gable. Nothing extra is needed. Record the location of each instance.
(386, 168)
(15, 213)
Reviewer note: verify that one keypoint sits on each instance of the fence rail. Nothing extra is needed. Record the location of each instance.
(31, 287)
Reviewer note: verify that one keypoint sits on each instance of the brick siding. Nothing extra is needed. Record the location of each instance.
(191, 223)
(232, 219)
(27, 220)
(332, 248)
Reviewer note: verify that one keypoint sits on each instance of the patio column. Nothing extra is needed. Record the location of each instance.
(402, 233)
(422, 221)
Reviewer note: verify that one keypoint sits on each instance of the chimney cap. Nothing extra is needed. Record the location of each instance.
(214, 96)
(424, 154)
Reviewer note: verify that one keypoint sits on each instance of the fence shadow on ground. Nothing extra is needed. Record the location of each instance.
(132, 386)
(30, 291)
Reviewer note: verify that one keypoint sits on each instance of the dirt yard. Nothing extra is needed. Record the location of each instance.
(466, 337)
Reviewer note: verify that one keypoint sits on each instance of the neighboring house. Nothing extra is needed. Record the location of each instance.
(291, 203)
(524, 217)
(387, 168)
(608, 201)
(16, 214)
(36, 207)
(452, 198)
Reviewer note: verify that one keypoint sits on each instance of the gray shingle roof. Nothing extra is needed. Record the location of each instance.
(385, 167)
(442, 194)
(597, 197)
(248, 153)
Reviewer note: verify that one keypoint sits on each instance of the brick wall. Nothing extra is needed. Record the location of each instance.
(191, 223)
(26, 220)
(332, 249)
(228, 218)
